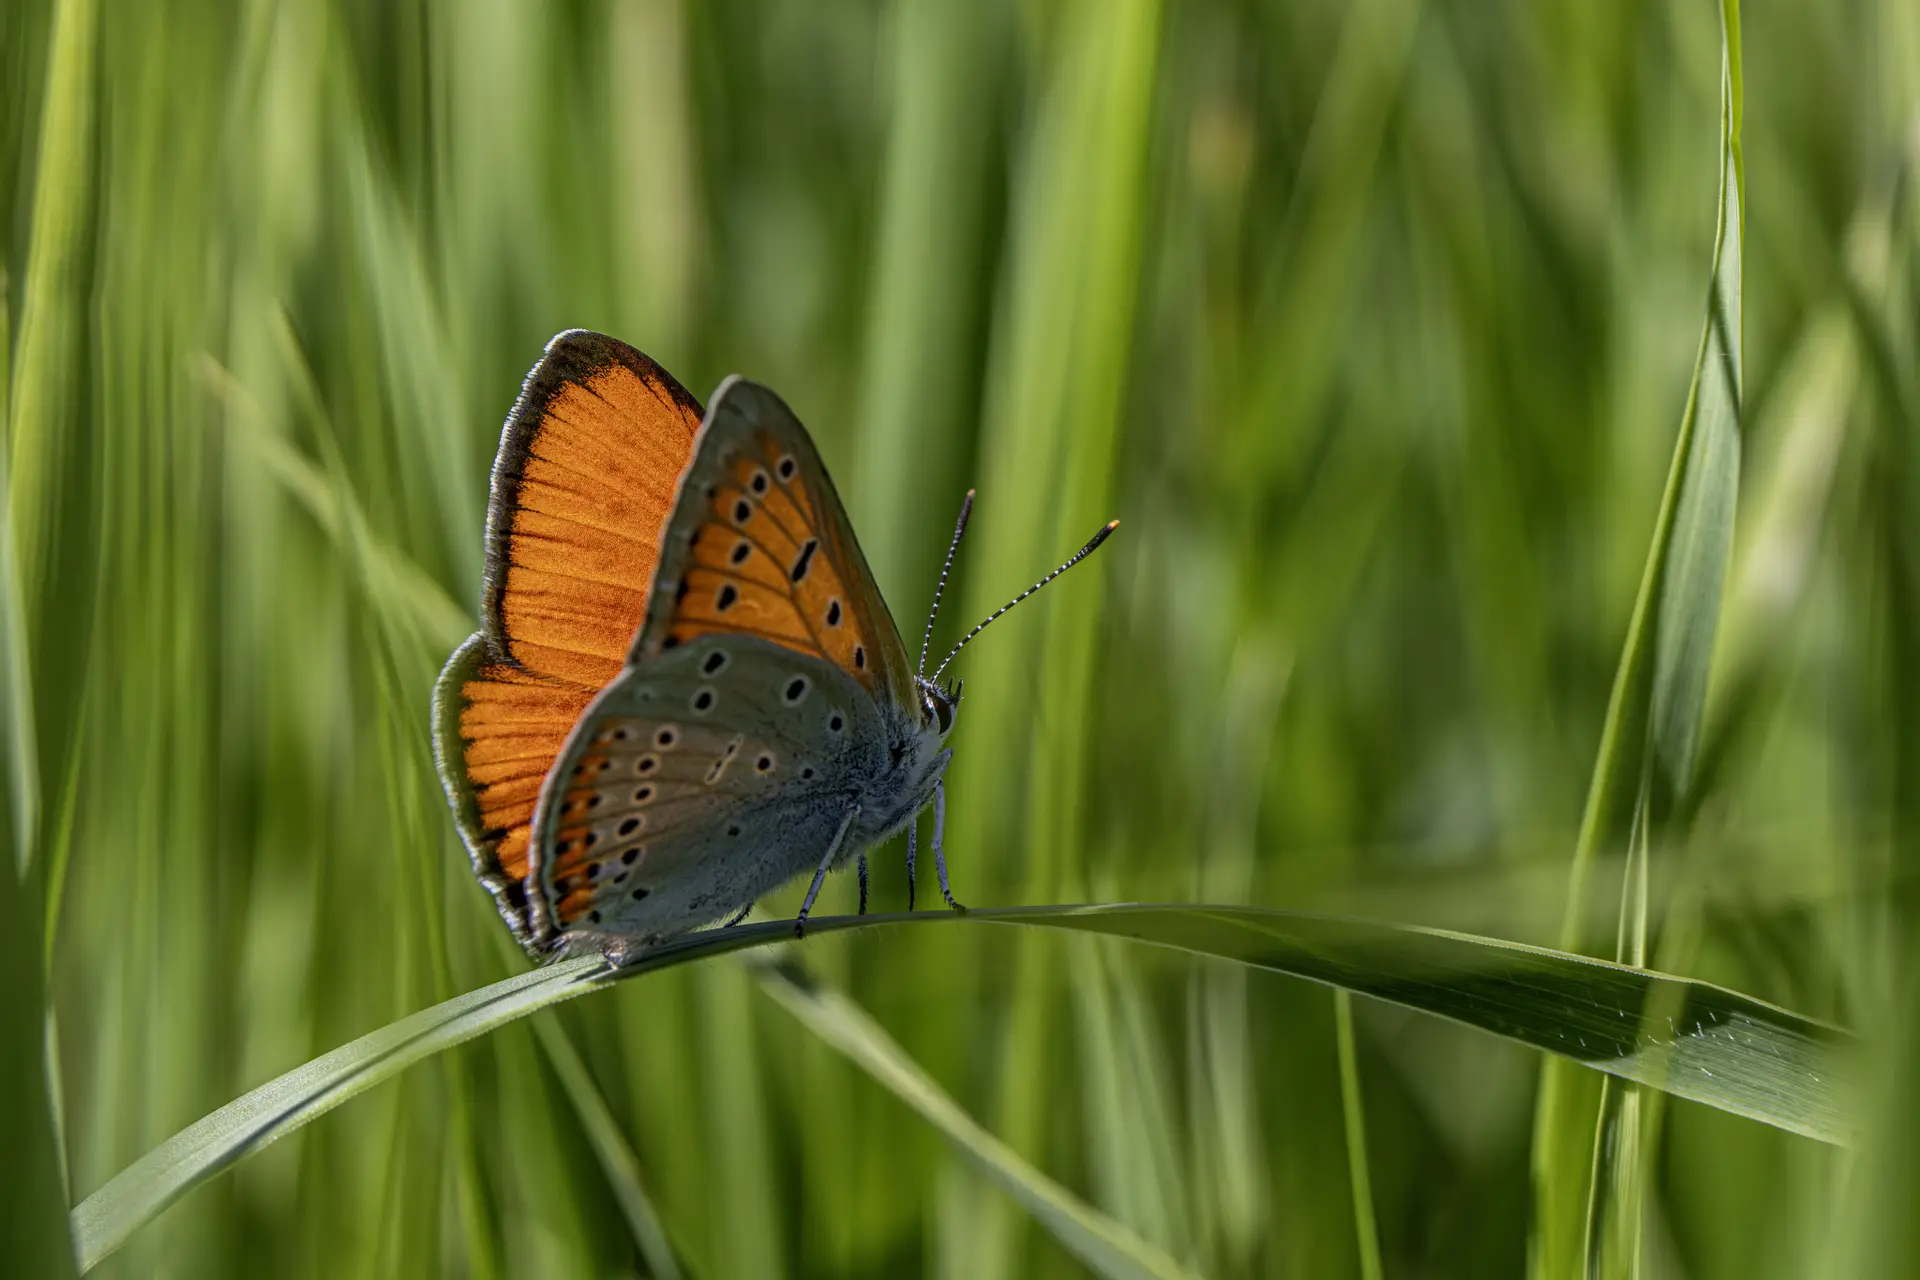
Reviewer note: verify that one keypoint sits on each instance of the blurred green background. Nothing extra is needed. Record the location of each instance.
(1373, 322)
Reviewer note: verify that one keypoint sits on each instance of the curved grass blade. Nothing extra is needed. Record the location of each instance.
(618, 1163)
(102, 1222)
(617, 1160)
(1716, 1047)
(1103, 1244)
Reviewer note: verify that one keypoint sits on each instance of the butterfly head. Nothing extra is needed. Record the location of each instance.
(938, 706)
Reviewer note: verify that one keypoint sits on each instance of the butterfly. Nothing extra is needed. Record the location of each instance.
(686, 689)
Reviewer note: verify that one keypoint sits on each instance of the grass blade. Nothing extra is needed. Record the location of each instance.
(617, 1160)
(51, 314)
(1097, 1240)
(1642, 780)
(1354, 1108)
(1718, 1047)
(1061, 364)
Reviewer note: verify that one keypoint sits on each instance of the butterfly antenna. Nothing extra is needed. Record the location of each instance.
(1093, 544)
(946, 566)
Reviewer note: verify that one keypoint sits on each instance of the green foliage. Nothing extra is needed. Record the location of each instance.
(1697, 1041)
(1373, 322)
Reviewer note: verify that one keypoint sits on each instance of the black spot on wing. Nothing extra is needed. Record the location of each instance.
(804, 560)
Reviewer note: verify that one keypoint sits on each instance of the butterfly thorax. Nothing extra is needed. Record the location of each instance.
(917, 756)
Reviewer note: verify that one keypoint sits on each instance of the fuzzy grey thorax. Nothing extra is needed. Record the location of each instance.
(917, 756)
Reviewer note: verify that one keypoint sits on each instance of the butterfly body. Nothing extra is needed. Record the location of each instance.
(684, 695)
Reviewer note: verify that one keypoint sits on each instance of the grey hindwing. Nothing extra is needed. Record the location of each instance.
(702, 779)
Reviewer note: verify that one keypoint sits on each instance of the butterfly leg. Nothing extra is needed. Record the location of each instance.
(939, 856)
(912, 831)
(739, 915)
(820, 872)
(863, 884)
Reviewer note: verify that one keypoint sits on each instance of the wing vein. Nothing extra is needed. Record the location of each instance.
(574, 577)
(589, 524)
(596, 481)
(657, 391)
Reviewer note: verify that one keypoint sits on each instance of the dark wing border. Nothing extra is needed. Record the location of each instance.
(450, 760)
(571, 358)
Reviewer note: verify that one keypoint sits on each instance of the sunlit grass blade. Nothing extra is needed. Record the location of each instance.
(1062, 365)
(20, 788)
(616, 1158)
(928, 286)
(397, 585)
(1129, 1101)
(42, 395)
(1718, 1047)
(734, 1107)
(1102, 1243)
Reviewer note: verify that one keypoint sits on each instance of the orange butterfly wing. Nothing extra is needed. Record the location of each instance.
(758, 545)
(589, 463)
